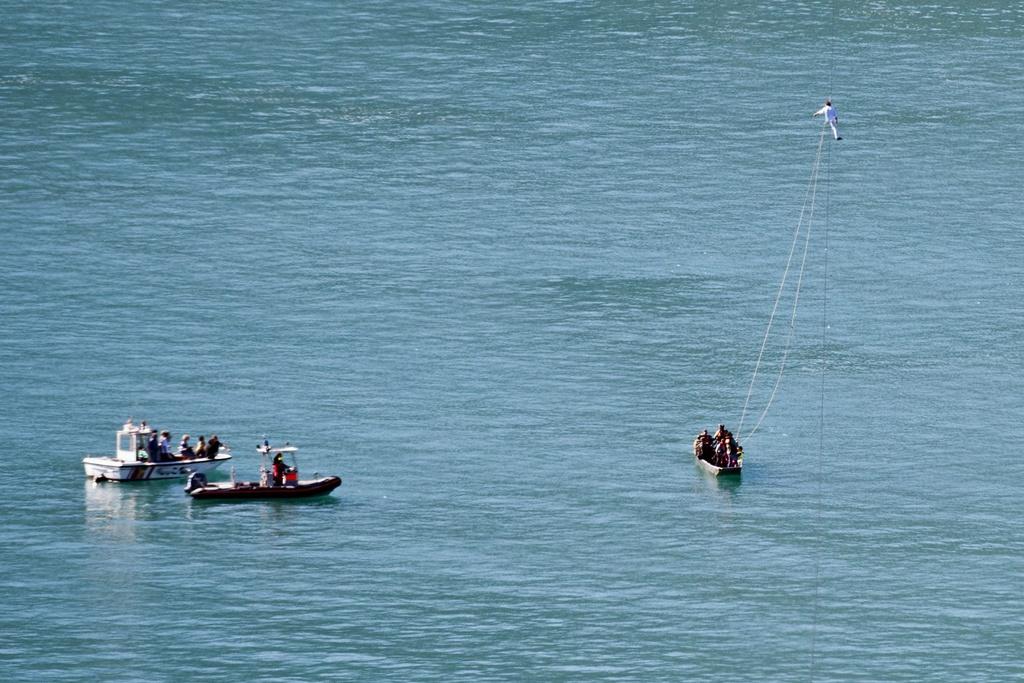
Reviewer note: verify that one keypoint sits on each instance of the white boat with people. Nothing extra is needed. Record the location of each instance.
(143, 454)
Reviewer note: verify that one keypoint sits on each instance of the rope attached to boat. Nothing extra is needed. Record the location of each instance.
(807, 210)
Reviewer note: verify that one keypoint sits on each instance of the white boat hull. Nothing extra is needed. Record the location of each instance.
(720, 471)
(112, 469)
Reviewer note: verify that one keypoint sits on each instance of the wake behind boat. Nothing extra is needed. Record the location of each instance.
(277, 481)
(135, 460)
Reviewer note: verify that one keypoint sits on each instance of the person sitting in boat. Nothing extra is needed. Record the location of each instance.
(702, 447)
(165, 446)
(185, 449)
(201, 447)
(708, 451)
(279, 469)
(212, 447)
(153, 447)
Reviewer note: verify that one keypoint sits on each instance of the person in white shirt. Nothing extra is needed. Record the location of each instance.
(831, 116)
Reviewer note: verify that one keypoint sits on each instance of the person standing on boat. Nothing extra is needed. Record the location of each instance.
(721, 433)
(731, 443)
(278, 470)
(722, 453)
(153, 447)
(831, 116)
(165, 446)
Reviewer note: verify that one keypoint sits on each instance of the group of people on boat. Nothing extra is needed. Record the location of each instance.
(721, 450)
(159, 447)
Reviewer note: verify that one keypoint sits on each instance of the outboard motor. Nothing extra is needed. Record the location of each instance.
(196, 480)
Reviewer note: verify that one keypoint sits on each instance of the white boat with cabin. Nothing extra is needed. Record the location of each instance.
(131, 460)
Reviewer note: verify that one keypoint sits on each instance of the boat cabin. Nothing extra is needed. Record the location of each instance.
(131, 442)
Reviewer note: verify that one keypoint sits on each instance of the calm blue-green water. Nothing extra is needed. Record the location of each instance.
(495, 265)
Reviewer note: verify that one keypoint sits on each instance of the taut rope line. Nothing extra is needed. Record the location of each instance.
(806, 210)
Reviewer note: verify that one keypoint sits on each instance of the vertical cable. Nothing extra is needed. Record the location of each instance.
(824, 369)
(821, 411)
(832, 50)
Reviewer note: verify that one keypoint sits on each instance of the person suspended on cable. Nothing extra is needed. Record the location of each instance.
(831, 116)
